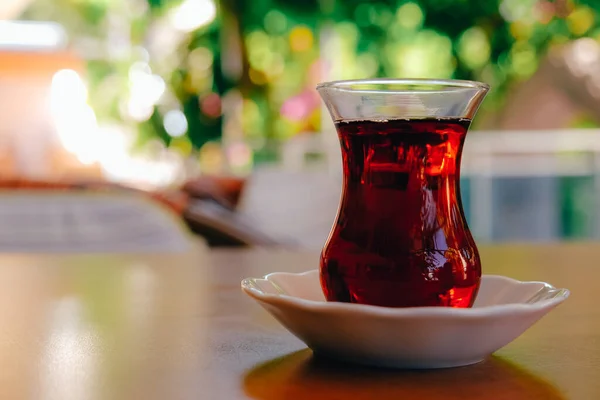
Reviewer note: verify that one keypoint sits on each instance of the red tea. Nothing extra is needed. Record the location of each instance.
(401, 238)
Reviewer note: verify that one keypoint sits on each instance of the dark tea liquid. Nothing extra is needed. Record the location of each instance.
(400, 238)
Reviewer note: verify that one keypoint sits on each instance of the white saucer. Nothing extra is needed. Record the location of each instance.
(419, 337)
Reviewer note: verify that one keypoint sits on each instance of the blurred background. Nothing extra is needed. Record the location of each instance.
(209, 106)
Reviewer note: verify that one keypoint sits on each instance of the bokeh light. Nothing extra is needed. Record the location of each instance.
(239, 156)
(429, 55)
(275, 22)
(474, 48)
(74, 119)
(251, 118)
(410, 16)
(145, 90)
(200, 59)
(211, 158)
(301, 38)
(514, 10)
(193, 14)
(211, 105)
(581, 20)
(524, 60)
(175, 123)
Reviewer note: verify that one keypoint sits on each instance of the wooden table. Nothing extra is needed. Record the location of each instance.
(176, 326)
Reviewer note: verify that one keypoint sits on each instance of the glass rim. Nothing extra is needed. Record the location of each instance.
(445, 85)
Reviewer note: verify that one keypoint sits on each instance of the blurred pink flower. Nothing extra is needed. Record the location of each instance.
(300, 107)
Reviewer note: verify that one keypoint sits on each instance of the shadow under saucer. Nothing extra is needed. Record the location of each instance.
(301, 375)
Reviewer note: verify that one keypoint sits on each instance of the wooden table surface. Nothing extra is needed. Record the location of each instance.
(170, 326)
